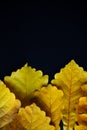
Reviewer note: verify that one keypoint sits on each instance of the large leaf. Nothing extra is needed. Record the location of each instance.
(32, 118)
(51, 100)
(70, 79)
(9, 105)
(25, 81)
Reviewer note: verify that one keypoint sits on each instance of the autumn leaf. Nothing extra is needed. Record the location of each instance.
(33, 118)
(82, 110)
(25, 81)
(51, 100)
(9, 105)
(70, 79)
(30, 118)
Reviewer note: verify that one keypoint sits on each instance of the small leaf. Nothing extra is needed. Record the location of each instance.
(32, 118)
(9, 106)
(70, 79)
(51, 100)
(25, 81)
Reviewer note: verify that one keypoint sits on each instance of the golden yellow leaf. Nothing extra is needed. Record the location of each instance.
(32, 118)
(51, 100)
(9, 105)
(25, 81)
(70, 79)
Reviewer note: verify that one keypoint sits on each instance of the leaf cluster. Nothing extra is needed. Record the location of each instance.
(29, 102)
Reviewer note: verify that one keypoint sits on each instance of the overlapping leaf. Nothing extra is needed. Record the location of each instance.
(51, 100)
(70, 79)
(64, 92)
(32, 118)
(82, 111)
(9, 106)
(25, 81)
(82, 114)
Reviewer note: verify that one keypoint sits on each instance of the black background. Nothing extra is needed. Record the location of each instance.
(46, 35)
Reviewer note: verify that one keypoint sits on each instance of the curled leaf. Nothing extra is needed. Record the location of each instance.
(51, 100)
(9, 105)
(70, 79)
(25, 81)
(32, 118)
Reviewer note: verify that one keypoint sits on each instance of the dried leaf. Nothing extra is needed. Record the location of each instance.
(9, 106)
(32, 118)
(25, 81)
(51, 100)
(70, 79)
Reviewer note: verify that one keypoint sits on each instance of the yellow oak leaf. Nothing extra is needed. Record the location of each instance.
(25, 81)
(33, 118)
(70, 79)
(51, 100)
(9, 105)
